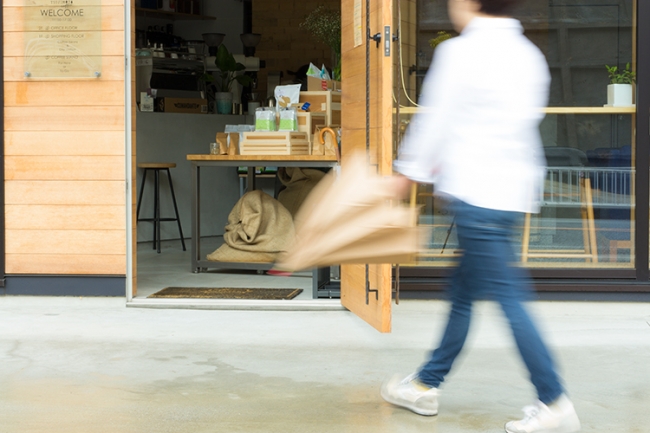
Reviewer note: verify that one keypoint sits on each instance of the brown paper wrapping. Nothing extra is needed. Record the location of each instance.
(222, 141)
(233, 147)
(330, 145)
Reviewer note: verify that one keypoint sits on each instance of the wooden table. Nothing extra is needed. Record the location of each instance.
(200, 264)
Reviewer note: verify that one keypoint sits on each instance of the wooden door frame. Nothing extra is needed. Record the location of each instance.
(642, 199)
(2, 153)
(129, 141)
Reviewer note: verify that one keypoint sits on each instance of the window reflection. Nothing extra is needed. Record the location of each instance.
(586, 220)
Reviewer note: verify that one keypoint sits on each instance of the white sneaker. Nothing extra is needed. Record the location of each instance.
(558, 417)
(409, 393)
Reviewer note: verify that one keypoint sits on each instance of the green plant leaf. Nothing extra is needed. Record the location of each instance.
(224, 60)
(625, 76)
(244, 80)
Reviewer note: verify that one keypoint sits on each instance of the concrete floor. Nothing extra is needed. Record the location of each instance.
(92, 365)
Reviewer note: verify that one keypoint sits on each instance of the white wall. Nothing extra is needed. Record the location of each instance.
(169, 137)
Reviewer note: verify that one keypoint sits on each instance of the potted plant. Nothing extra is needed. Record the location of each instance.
(229, 73)
(440, 38)
(619, 91)
(325, 25)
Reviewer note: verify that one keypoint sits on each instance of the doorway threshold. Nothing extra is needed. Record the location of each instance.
(239, 304)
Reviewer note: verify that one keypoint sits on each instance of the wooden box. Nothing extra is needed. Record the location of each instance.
(183, 105)
(327, 102)
(315, 84)
(308, 122)
(275, 143)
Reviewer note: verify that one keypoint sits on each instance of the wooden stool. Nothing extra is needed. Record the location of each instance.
(589, 252)
(156, 168)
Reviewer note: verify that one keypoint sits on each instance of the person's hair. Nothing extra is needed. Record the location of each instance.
(497, 7)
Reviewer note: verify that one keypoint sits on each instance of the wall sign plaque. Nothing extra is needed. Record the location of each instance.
(62, 38)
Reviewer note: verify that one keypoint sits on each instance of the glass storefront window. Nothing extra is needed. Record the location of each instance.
(586, 220)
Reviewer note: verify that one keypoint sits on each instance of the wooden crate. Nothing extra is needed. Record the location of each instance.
(308, 122)
(327, 102)
(275, 143)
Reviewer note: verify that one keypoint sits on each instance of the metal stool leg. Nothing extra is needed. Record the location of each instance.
(178, 218)
(156, 221)
(144, 179)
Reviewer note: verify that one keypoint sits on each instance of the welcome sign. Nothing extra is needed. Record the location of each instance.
(62, 38)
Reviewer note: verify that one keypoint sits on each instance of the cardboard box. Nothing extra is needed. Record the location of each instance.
(316, 84)
(183, 105)
(325, 102)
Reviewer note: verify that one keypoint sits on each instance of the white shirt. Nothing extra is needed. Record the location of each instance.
(477, 135)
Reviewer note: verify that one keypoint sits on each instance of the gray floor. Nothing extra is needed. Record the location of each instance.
(91, 365)
(172, 267)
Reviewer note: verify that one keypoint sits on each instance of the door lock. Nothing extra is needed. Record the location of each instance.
(376, 37)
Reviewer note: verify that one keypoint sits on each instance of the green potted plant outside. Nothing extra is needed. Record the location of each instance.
(620, 89)
(441, 36)
(229, 73)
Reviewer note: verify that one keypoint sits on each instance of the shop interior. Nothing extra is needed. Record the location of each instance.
(176, 50)
(586, 220)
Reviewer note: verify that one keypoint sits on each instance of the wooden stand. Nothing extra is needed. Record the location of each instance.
(590, 249)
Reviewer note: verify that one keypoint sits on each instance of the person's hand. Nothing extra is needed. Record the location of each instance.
(402, 185)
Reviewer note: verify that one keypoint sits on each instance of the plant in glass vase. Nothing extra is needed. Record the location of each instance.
(229, 73)
(325, 25)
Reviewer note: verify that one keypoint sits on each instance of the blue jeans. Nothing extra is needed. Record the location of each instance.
(487, 271)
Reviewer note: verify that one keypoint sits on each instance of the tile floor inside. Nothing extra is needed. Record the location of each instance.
(172, 268)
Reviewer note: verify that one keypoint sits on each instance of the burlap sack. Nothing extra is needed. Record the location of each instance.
(258, 228)
(298, 184)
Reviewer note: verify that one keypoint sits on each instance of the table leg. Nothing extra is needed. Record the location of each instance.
(250, 179)
(196, 218)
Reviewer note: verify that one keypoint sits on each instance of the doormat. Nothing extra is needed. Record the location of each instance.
(226, 293)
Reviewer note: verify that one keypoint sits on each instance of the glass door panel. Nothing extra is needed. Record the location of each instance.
(586, 220)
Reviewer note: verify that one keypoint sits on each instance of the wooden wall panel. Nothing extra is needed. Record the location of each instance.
(112, 43)
(57, 118)
(65, 143)
(71, 193)
(64, 168)
(64, 159)
(69, 264)
(63, 93)
(112, 70)
(64, 217)
(64, 242)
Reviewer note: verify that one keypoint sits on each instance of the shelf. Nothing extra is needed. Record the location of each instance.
(255, 158)
(174, 16)
(559, 110)
(590, 110)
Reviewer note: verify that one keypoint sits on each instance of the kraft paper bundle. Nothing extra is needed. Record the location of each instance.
(222, 141)
(353, 218)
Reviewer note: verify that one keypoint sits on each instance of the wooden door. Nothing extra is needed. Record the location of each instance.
(373, 306)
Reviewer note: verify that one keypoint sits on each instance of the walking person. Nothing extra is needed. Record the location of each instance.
(477, 140)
